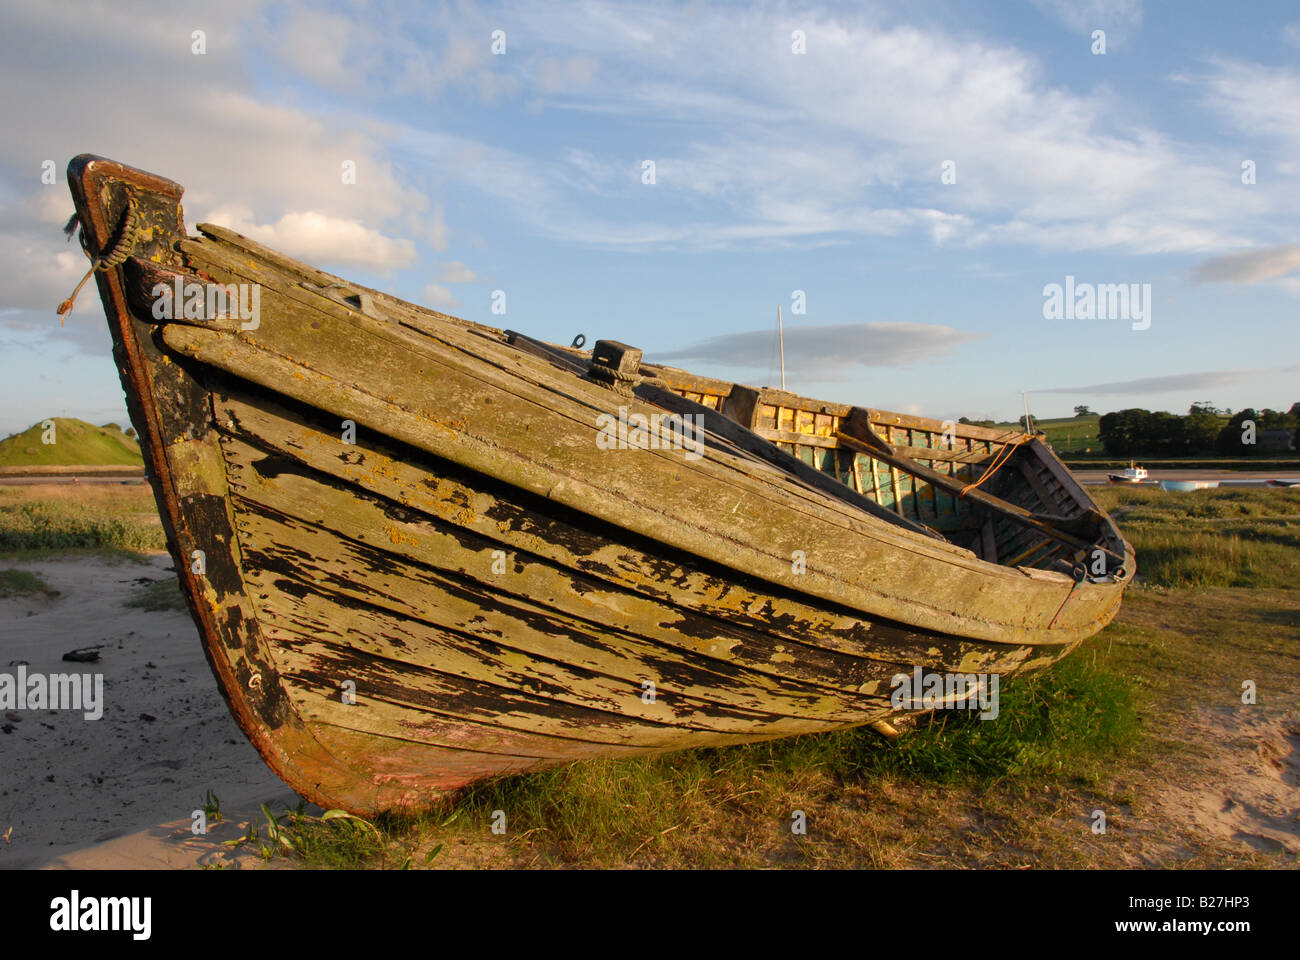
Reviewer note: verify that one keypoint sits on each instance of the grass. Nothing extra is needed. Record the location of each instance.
(157, 595)
(57, 517)
(1210, 538)
(21, 583)
(1071, 433)
(75, 442)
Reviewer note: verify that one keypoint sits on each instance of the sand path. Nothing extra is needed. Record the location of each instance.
(119, 791)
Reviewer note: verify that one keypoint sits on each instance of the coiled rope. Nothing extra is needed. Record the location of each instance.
(998, 462)
(114, 258)
(618, 381)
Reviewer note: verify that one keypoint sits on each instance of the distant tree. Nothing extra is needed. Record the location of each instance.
(1025, 426)
(129, 431)
(1295, 410)
(1124, 432)
(1082, 411)
(1201, 432)
(965, 420)
(1203, 406)
(1272, 420)
(1230, 438)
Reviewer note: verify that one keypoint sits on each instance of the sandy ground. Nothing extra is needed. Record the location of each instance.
(1248, 789)
(119, 791)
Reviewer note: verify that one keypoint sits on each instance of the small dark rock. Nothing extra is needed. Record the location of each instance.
(84, 655)
(148, 717)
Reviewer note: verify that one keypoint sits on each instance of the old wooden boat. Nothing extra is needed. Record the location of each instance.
(419, 555)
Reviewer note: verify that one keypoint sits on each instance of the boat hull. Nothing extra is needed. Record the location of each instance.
(1187, 486)
(412, 567)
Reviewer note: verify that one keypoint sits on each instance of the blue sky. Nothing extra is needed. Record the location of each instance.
(775, 172)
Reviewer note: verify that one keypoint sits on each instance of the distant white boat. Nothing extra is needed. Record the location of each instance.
(1183, 486)
(1134, 474)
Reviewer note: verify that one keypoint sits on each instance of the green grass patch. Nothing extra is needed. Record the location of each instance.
(1068, 722)
(20, 583)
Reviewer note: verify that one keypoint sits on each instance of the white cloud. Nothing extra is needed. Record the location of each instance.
(1173, 383)
(829, 346)
(766, 146)
(1263, 104)
(1118, 17)
(320, 239)
(1250, 266)
(457, 272)
(268, 168)
(436, 295)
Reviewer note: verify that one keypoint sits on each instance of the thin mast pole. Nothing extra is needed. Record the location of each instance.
(780, 336)
(1029, 427)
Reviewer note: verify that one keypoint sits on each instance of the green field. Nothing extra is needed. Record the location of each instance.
(76, 442)
(1069, 434)
(45, 518)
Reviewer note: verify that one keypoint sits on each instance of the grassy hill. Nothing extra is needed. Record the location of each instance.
(1067, 434)
(76, 442)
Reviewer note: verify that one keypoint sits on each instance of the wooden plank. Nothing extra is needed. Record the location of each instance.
(896, 486)
(875, 482)
(941, 454)
(611, 640)
(791, 436)
(989, 549)
(572, 566)
(1023, 557)
(741, 406)
(1040, 489)
(889, 418)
